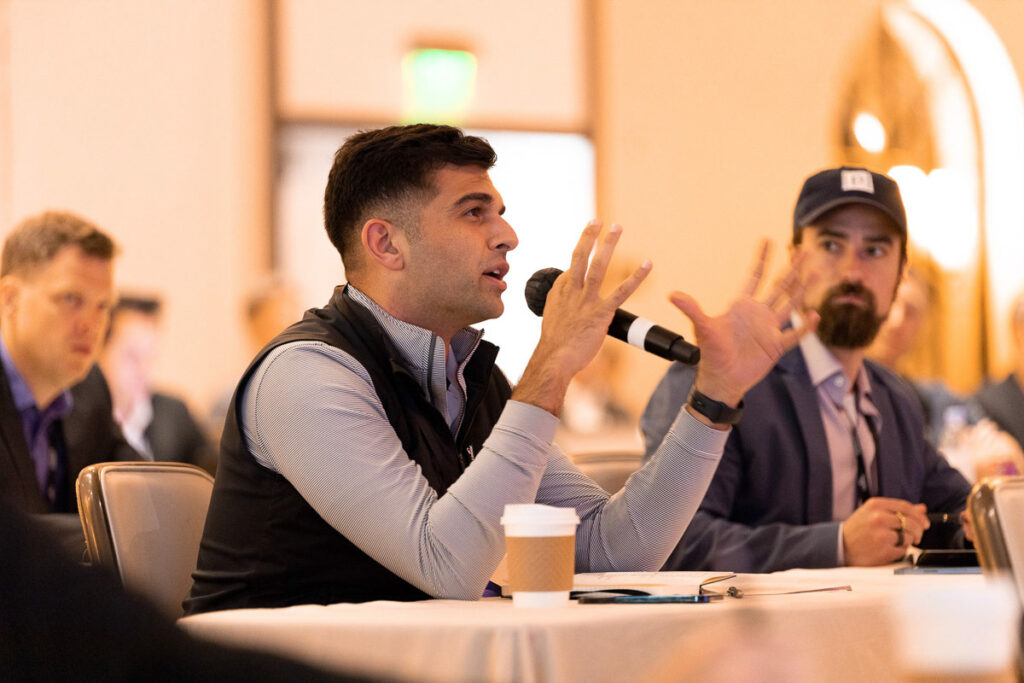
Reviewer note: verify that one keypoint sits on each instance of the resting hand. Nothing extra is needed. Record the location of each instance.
(576, 319)
(965, 524)
(739, 347)
(881, 530)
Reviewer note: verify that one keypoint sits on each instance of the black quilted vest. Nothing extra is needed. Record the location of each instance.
(264, 546)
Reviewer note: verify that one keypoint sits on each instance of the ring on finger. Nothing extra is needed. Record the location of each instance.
(902, 520)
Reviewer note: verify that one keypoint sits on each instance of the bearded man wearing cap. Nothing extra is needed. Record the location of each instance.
(829, 465)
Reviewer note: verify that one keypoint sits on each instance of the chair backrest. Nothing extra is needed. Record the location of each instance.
(145, 521)
(610, 469)
(996, 509)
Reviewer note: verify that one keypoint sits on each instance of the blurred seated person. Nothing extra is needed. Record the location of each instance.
(898, 336)
(159, 426)
(980, 450)
(272, 305)
(1003, 403)
(61, 622)
(56, 292)
(828, 465)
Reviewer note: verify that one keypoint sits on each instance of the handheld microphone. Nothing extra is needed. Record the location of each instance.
(625, 326)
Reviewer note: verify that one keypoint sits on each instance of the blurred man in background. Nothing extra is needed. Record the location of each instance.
(272, 305)
(898, 336)
(1003, 403)
(56, 292)
(157, 425)
(61, 622)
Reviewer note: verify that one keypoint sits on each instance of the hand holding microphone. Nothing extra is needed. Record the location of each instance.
(737, 348)
(625, 326)
(577, 321)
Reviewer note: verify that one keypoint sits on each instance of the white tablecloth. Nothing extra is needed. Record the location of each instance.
(835, 636)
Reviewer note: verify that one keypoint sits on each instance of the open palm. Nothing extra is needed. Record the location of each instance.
(740, 346)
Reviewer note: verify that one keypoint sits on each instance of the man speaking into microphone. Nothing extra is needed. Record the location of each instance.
(370, 448)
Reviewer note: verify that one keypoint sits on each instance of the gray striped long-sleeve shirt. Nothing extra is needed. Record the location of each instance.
(310, 412)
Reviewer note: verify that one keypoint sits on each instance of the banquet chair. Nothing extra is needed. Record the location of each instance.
(144, 521)
(996, 509)
(610, 469)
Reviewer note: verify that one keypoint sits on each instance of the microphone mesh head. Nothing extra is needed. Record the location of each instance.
(538, 286)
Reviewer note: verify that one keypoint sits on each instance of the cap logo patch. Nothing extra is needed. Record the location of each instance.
(857, 181)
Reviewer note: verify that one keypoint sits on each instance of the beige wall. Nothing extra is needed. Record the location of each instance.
(152, 118)
(710, 116)
(342, 60)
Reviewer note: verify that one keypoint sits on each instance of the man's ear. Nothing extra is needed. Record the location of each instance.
(9, 291)
(384, 243)
(899, 279)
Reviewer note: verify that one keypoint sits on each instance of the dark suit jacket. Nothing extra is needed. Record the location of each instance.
(174, 435)
(769, 505)
(90, 436)
(1004, 404)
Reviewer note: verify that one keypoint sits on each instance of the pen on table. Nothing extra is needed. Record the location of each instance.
(646, 599)
(944, 517)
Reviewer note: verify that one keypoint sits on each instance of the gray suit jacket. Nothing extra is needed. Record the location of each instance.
(769, 505)
(1004, 404)
(174, 435)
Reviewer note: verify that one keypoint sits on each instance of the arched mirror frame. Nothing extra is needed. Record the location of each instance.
(931, 97)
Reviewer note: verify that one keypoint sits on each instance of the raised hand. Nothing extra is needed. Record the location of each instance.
(740, 346)
(576, 319)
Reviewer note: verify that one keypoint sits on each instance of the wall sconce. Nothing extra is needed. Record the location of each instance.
(869, 132)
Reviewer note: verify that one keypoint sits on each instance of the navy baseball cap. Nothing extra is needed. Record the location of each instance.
(825, 190)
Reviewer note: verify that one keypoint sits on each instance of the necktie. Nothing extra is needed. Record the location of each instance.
(56, 483)
(863, 491)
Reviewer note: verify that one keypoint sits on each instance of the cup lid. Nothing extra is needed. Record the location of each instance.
(534, 513)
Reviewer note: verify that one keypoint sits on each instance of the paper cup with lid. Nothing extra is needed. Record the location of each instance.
(540, 541)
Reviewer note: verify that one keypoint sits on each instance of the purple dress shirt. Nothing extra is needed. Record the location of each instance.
(36, 424)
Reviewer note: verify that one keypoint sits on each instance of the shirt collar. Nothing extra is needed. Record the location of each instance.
(22, 394)
(422, 351)
(826, 372)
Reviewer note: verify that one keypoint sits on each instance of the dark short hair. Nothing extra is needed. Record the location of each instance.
(137, 303)
(36, 240)
(149, 306)
(376, 168)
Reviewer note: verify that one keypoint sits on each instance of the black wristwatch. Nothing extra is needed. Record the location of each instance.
(716, 411)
